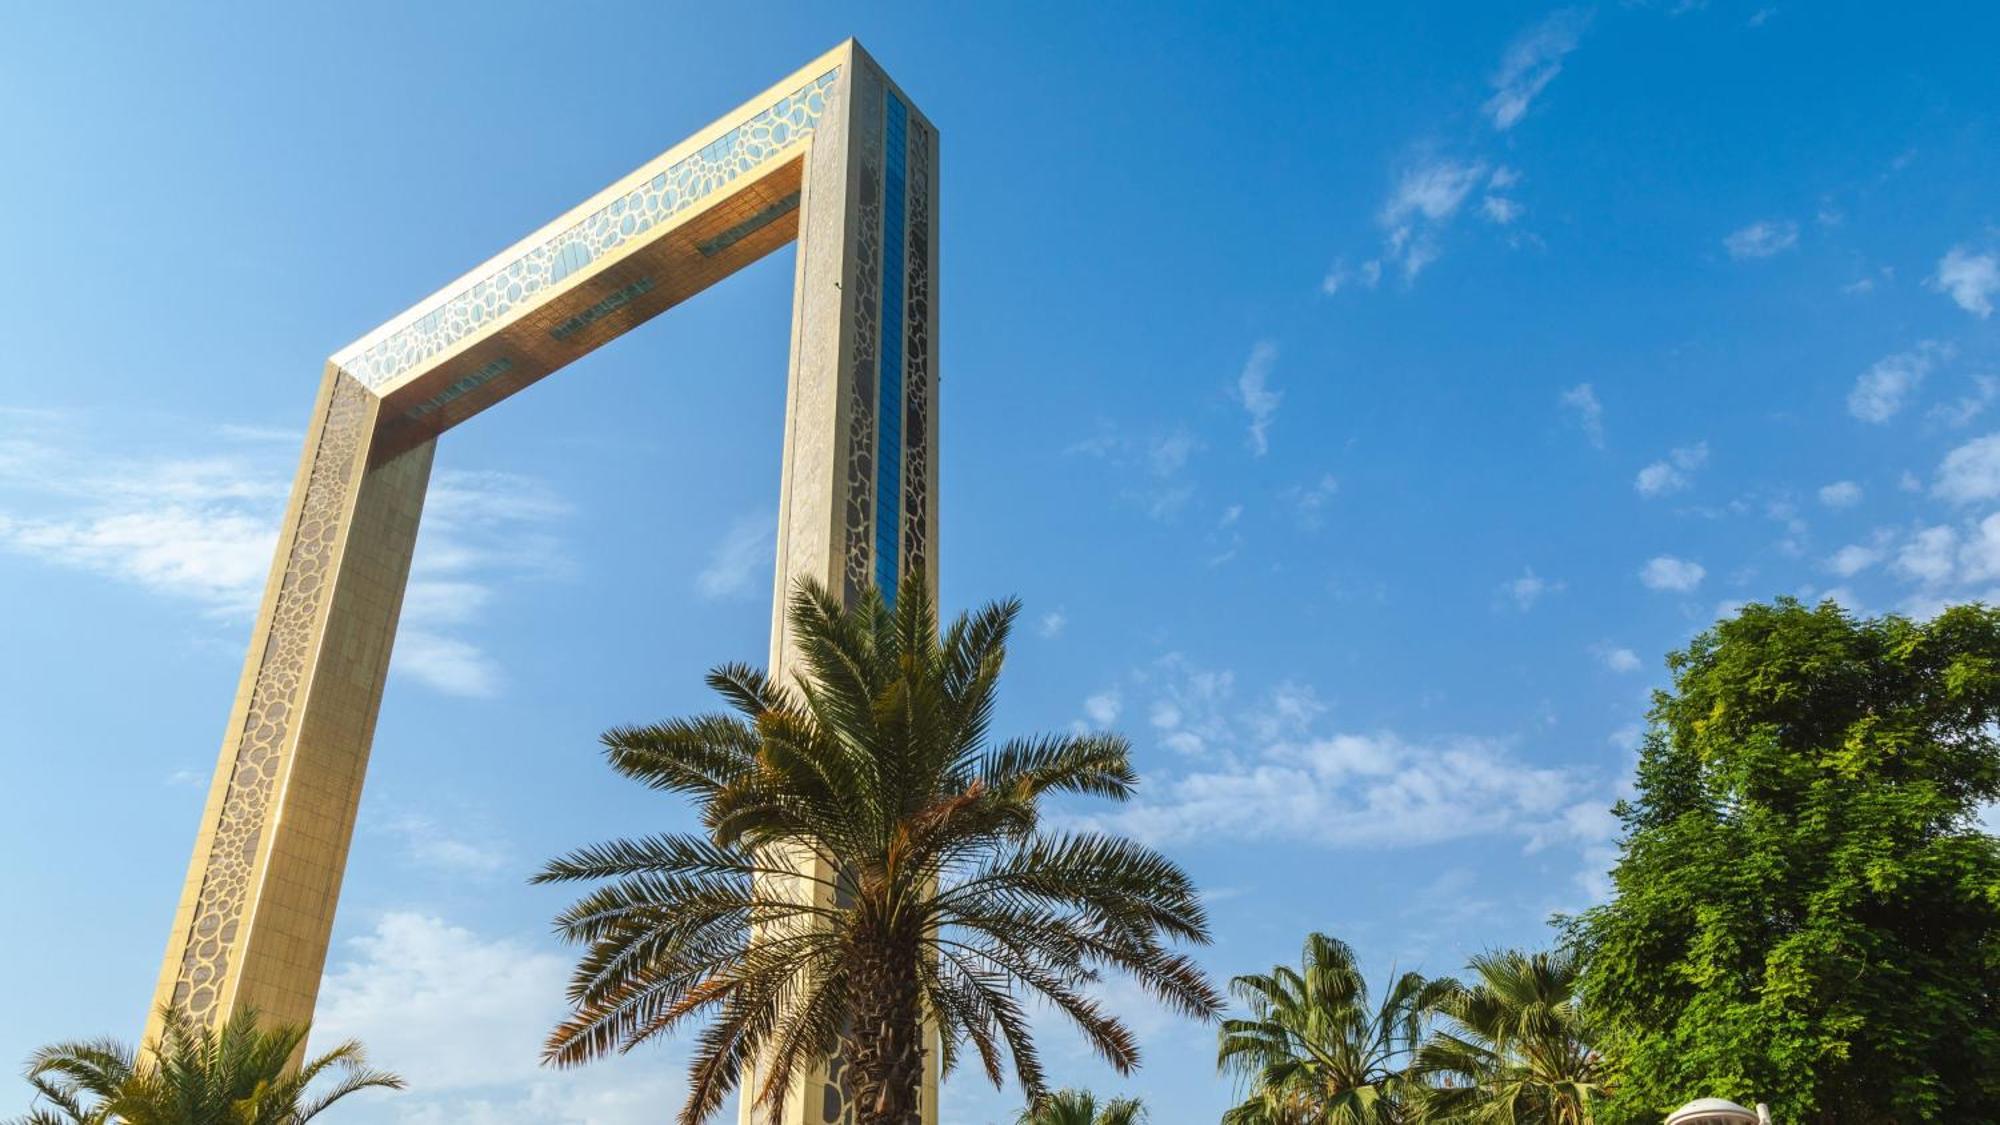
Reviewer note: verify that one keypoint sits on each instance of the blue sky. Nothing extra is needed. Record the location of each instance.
(1362, 402)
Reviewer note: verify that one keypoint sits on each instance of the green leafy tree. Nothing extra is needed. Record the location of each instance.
(936, 893)
(1807, 912)
(1080, 1107)
(239, 1074)
(1314, 1048)
(1514, 1045)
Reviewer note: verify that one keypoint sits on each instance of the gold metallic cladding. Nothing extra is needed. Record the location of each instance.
(258, 904)
(672, 262)
(274, 701)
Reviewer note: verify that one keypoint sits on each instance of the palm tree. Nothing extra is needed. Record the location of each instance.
(1314, 1049)
(1079, 1107)
(1516, 1045)
(870, 780)
(240, 1074)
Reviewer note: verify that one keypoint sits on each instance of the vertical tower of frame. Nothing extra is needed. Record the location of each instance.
(859, 504)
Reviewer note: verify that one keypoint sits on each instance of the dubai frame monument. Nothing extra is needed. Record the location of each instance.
(835, 156)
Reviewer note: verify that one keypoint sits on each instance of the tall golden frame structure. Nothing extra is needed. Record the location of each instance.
(835, 156)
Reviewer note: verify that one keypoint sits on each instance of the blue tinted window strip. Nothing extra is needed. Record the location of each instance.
(889, 455)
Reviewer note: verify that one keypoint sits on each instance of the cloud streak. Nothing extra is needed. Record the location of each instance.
(1271, 771)
(1372, 790)
(1530, 63)
(743, 556)
(1674, 473)
(1765, 238)
(1880, 392)
(1970, 280)
(203, 531)
(1581, 403)
(1427, 195)
(1970, 473)
(1674, 575)
(462, 1016)
(1253, 390)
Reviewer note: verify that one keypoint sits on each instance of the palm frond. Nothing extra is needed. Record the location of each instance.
(856, 808)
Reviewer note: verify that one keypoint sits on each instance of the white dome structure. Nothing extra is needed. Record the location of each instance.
(1712, 1111)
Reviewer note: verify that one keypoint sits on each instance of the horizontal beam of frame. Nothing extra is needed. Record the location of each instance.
(679, 223)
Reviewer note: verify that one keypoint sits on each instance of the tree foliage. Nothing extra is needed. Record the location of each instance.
(1315, 1049)
(238, 1074)
(931, 889)
(1081, 1107)
(1807, 912)
(1514, 1045)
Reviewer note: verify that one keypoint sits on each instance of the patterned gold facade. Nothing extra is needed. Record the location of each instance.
(835, 157)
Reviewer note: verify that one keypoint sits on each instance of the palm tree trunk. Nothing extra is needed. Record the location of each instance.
(884, 1050)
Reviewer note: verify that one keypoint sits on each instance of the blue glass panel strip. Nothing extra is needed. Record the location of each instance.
(889, 409)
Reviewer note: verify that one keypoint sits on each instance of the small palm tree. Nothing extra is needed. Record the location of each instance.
(1315, 1050)
(1516, 1045)
(1079, 1107)
(935, 897)
(239, 1074)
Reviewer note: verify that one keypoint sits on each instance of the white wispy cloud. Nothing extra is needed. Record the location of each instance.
(1427, 195)
(1168, 453)
(203, 530)
(1673, 473)
(1971, 472)
(1616, 658)
(1309, 502)
(1979, 554)
(1762, 239)
(1964, 410)
(1840, 494)
(1362, 790)
(1939, 564)
(1153, 465)
(237, 431)
(436, 846)
(1853, 559)
(1275, 769)
(1880, 392)
(481, 530)
(1185, 705)
(1341, 276)
(742, 559)
(1970, 280)
(1166, 456)
(452, 665)
(1665, 572)
(211, 555)
(474, 501)
(1253, 390)
(1929, 556)
(1052, 624)
(1530, 63)
(1431, 189)
(1272, 769)
(462, 1017)
(1102, 709)
(1528, 589)
(1581, 403)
